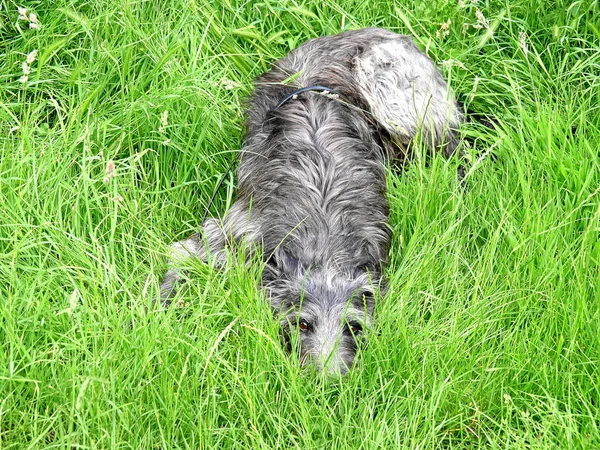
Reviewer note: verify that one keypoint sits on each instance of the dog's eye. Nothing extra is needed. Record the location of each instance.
(355, 328)
(303, 325)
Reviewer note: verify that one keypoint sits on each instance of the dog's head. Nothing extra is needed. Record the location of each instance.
(324, 312)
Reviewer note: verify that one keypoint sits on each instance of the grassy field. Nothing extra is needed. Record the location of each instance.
(117, 120)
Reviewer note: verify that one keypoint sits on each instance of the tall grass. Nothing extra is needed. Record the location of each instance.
(110, 150)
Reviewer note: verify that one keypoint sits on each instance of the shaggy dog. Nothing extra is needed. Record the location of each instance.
(311, 195)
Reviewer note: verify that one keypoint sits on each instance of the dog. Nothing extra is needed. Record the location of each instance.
(322, 125)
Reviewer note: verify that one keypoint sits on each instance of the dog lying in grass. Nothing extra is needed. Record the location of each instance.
(311, 194)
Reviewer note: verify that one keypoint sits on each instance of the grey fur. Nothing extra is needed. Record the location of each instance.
(311, 182)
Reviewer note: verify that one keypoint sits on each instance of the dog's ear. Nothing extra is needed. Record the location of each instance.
(281, 263)
(368, 267)
(364, 300)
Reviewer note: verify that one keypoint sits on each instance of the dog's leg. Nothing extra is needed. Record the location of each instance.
(178, 252)
(212, 241)
(210, 245)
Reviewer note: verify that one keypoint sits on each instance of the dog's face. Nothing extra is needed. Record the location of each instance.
(324, 314)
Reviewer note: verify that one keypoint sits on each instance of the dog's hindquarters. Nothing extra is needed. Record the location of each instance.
(406, 93)
(381, 72)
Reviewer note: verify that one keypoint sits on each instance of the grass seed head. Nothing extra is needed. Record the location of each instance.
(523, 43)
(31, 57)
(444, 30)
(110, 171)
(164, 121)
(482, 22)
(22, 13)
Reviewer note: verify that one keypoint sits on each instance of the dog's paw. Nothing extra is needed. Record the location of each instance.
(169, 285)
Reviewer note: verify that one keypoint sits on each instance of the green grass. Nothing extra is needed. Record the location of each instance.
(490, 334)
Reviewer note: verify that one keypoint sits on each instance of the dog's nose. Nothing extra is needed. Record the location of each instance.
(333, 367)
(330, 362)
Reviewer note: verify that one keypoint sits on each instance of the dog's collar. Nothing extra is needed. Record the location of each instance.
(317, 88)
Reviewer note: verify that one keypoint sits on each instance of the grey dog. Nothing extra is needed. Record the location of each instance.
(311, 195)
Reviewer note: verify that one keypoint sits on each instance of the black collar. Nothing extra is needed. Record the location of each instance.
(321, 89)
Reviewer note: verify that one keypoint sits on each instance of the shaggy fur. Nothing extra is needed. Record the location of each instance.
(311, 182)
